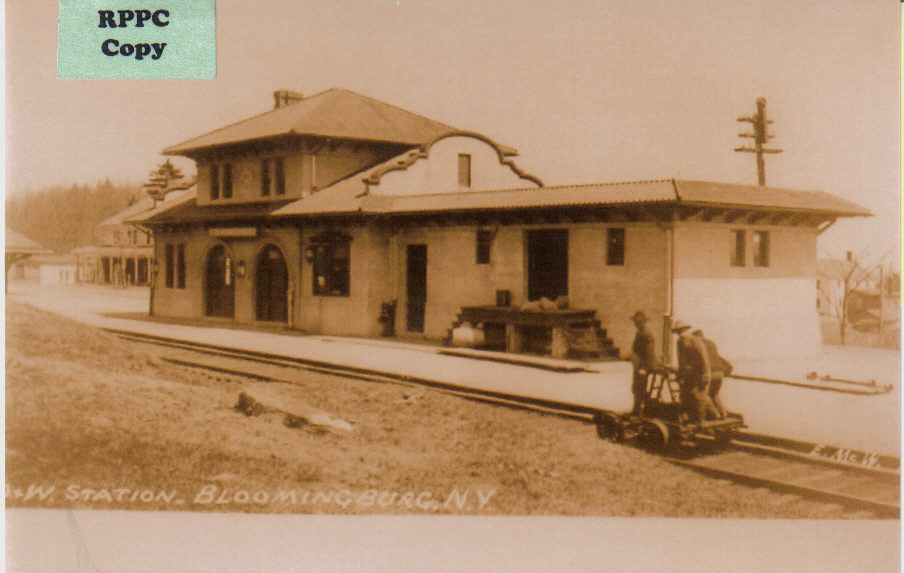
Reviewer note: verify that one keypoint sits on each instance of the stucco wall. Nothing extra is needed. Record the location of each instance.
(321, 168)
(616, 292)
(438, 173)
(190, 302)
(749, 311)
(454, 279)
(356, 314)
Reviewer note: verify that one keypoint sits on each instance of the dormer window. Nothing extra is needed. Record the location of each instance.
(464, 170)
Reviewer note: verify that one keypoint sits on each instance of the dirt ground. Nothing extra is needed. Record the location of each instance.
(95, 421)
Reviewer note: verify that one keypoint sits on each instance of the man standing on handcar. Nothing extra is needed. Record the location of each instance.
(643, 359)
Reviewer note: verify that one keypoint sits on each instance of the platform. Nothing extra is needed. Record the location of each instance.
(868, 423)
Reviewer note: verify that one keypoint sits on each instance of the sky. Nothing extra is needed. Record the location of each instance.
(586, 91)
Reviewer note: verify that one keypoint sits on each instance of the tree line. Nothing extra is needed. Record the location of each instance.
(62, 218)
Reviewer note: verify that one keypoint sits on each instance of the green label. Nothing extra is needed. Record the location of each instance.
(125, 39)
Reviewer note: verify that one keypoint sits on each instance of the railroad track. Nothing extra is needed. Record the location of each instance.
(875, 490)
(856, 480)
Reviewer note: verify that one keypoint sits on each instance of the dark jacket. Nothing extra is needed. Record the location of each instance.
(643, 351)
(716, 362)
(693, 360)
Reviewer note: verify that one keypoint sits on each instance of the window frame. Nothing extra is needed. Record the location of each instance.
(214, 181)
(180, 266)
(227, 181)
(334, 267)
(170, 270)
(738, 253)
(761, 249)
(483, 254)
(265, 177)
(279, 176)
(464, 170)
(618, 237)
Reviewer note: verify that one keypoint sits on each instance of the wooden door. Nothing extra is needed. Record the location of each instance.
(220, 284)
(547, 263)
(416, 286)
(272, 286)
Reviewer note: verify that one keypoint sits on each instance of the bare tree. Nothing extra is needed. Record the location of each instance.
(840, 278)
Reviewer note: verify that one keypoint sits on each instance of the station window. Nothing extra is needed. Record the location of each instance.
(280, 175)
(265, 177)
(214, 181)
(484, 242)
(761, 248)
(273, 177)
(227, 181)
(170, 266)
(739, 248)
(331, 264)
(175, 266)
(221, 181)
(615, 247)
(464, 170)
(180, 265)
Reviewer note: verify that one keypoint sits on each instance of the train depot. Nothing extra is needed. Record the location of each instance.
(339, 214)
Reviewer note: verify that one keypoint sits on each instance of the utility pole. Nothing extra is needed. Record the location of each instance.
(760, 137)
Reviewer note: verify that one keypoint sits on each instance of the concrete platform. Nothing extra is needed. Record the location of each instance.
(869, 423)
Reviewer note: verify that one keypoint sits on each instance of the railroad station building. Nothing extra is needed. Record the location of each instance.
(337, 213)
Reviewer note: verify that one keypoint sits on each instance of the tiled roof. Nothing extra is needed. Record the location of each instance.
(191, 212)
(337, 113)
(172, 200)
(730, 194)
(19, 244)
(348, 196)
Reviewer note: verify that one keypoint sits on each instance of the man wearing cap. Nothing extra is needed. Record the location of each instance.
(719, 367)
(643, 358)
(694, 374)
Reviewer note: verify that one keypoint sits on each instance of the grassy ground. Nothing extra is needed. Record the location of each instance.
(94, 421)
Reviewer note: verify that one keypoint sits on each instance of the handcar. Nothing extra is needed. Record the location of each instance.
(663, 423)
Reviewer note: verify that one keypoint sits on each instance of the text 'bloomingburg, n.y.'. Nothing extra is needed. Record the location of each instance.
(137, 19)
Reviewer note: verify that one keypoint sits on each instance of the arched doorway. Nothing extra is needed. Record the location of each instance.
(220, 285)
(272, 286)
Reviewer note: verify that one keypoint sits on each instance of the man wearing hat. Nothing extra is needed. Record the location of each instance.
(643, 358)
(719, 367)
(694, 374)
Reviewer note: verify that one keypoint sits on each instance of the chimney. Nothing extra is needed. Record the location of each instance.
(282, 98)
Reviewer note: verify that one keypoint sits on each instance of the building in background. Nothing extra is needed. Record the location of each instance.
(336, 213)
(18, 249)
(122, 253)
(47, 270)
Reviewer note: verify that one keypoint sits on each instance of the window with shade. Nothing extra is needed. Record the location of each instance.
(761, 248)
(615, 247)
(170, 266)
(273, 177)
(484, 242)
(464, 170)
(738, 248)
(331, 264)
(174, 257)
(221, 181)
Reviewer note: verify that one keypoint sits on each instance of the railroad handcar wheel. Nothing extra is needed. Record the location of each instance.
(608, 427)
(654, 436)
